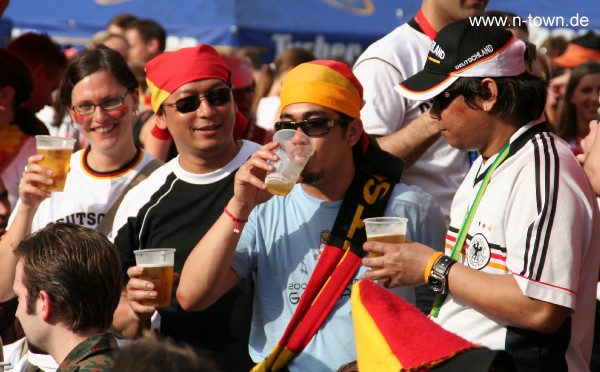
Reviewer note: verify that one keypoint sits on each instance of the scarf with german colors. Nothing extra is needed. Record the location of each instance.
(377, 172)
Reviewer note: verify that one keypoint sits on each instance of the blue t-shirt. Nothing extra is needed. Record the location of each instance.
(280, 246)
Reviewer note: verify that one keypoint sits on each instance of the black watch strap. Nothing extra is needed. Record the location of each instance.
(438, 277)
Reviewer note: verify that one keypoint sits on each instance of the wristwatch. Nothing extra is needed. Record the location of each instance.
(438, 277)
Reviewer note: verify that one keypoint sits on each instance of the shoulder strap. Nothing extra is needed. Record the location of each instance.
(105, 225)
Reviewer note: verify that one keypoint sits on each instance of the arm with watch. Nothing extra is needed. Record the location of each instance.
(496, 296)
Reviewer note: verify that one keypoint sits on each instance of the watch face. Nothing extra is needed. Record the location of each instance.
(436, 285)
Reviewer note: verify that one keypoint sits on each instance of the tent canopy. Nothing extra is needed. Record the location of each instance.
(328, 27)
(334, 27)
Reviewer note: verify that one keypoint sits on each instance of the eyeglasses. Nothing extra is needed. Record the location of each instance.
(311, 127)
(443, 100)
(107, 104)
(215, 97)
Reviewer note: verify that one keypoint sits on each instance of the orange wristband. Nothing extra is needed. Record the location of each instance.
(430, 264)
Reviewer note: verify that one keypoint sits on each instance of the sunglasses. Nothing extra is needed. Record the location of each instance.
(311, 127)
(443, 100)
(215, 97)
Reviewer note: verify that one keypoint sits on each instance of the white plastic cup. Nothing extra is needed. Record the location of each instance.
(57, 157)
(158, 268)
(294, 150)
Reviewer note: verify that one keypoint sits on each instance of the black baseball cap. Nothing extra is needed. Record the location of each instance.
(463, 50)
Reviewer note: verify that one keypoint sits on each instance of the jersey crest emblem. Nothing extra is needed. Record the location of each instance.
(478, 253)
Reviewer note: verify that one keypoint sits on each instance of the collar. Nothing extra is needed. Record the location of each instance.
(516, 141)
(425, 25)
(139, 155)
(99, 345)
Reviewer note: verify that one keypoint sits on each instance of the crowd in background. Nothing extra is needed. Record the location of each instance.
(41, 90)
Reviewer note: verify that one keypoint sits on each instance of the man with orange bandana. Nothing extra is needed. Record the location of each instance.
(286, 241)
(176, 205)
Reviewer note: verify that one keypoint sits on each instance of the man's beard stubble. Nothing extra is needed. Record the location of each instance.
(312, 178)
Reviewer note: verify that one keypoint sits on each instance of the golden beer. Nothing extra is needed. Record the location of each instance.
(162, 277)
(278, 186)
(58, 161)
(395, 239)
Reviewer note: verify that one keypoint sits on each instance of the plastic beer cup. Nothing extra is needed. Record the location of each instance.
(385, 230)
(158, 268)
(294, 150)
(57, 157)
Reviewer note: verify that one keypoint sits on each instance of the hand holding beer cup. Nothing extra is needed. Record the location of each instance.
(385, 230)
(294, 150)
(57, 158)
(157, 265)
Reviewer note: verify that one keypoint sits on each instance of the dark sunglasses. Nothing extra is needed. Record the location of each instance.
(443, 100)
(215, 97)
(311, 127)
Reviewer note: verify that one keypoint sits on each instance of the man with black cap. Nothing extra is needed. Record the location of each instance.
(524, 224)
(303, 249)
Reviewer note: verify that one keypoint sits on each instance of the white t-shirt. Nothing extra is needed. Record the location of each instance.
(538, 221)
(87, 195)
(266, 112)
(387, 62)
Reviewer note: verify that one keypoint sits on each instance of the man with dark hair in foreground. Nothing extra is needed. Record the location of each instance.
(68, 283)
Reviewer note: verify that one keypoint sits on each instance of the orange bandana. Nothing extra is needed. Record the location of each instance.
(575, 55)
(329, 84)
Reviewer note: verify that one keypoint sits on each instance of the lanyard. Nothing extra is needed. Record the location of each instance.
(464, 228)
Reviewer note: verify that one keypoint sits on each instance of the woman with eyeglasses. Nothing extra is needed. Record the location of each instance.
(100, 93)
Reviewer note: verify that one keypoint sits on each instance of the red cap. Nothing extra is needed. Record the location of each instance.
(241, 71)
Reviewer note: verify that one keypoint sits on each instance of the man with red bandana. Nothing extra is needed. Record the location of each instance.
(177, 204)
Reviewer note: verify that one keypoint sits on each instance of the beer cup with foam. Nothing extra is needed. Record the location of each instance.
(57, 157)
(158, 269)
